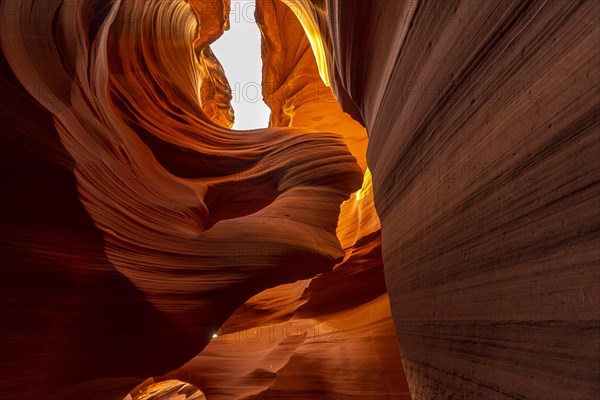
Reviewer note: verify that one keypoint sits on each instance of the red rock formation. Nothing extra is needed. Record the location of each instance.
(188, 218)
(483, 139)
(165, 390)
(325, 338)
(135, 224)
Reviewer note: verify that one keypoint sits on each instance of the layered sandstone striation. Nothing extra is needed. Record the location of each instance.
(483, 146)
(422, 213)
(327, 337)
(163, 221)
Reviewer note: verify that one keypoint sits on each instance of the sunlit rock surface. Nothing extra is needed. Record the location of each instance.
(149, 252)
(325, 338)
(157, 223)
(165, 390)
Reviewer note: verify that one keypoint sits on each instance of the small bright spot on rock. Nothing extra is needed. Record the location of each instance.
(214, 335)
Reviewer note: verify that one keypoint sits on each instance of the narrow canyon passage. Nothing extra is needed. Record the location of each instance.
(412, 215)
(340, 320)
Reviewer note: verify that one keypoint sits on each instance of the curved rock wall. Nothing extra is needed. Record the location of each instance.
(331, 336)
(136, 225)
(189, 218)
(483, 145)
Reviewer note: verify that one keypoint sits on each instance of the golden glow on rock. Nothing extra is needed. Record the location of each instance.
(362, 192)
(358, 217)
(309, 24)
(171, 389)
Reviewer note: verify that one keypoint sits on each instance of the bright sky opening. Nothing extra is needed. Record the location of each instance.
(238, 50)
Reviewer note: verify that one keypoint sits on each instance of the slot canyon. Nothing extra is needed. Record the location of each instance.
(419, 220)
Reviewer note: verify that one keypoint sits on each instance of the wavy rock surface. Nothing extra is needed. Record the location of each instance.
(483, 145)
(165, 223)
(165, 390)
(331, 336)
(135, 224)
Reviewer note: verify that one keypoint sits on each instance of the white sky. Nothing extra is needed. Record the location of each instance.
(238, 50)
